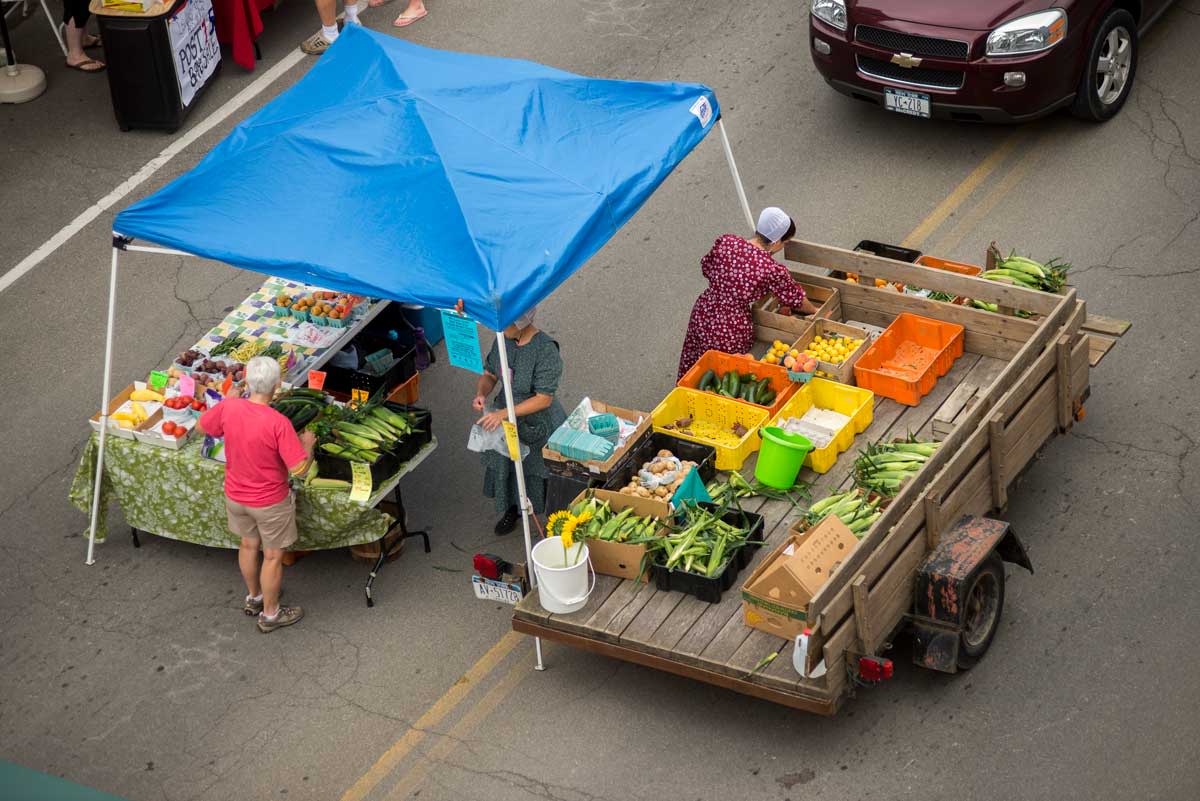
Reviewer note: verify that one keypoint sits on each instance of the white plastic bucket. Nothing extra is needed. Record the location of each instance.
(562, 586)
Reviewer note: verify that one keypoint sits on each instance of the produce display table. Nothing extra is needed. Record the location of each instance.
(180, 495)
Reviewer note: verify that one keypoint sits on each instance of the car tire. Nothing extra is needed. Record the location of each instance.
(981, 619)
(1099, 100)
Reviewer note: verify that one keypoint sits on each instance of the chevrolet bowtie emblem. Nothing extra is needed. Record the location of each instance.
(907, 60)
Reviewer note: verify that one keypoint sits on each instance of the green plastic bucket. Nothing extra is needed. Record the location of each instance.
(780, 457)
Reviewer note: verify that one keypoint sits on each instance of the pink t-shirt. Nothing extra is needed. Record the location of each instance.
(260, 448)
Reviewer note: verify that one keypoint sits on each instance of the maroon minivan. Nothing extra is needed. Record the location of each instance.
(982, 60)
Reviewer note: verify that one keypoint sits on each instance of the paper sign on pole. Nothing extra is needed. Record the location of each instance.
(316, 379)
(360, 485)
(514, 443)
(462, 341)
(192, 31)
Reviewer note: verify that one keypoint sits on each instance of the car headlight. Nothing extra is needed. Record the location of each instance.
(830, 11)
(1028, 34)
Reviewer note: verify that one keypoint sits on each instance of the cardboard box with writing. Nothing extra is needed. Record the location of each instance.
(621, 559)
(775, 597)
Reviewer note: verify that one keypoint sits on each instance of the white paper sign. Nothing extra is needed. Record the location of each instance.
(194, 47)
(703, 111)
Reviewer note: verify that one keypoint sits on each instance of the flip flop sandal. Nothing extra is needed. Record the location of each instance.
(403, 21)
(82, 66)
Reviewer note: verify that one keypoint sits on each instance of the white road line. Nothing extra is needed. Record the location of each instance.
(154, 165)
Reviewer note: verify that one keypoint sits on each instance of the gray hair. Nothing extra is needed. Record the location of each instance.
(262, 374)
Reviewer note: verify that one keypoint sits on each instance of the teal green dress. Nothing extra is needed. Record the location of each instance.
(536, 368)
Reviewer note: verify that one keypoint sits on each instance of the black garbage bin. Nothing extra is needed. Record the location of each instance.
(159, 62)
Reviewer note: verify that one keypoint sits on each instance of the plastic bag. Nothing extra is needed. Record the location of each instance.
(578, 418)
(480, 441)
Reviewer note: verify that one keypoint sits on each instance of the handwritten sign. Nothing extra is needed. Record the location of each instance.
(316, 379)
(358, 396)
(462, 341)
(360, 484)
(158, 380)
(514, 443)
(187, 386)
(194, 47)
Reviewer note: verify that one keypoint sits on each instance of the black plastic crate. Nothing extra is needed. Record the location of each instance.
(412, 444)
(705, 456)
(343, 380)
(881, 249)
(709, 588)
(329, 466)
(561, 488)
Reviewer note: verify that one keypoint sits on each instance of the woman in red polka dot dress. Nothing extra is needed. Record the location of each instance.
(741, 272)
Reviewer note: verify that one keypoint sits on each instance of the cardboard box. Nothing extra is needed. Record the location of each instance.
(150, 432)
(561, 465)
(122, 403)
(621, 559)
(770, 325)
(775, 597)
(842, 373)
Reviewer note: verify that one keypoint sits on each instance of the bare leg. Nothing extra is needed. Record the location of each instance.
(327, 11)
(75, 54)
(248, 562)
(272, 580)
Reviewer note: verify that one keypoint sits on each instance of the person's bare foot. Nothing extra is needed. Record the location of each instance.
(86, 64)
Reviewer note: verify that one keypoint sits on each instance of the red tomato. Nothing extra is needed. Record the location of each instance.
(168, 428)
(197, 406)
(180, 432)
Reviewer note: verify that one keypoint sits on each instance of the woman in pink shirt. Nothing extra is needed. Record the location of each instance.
(261, 451)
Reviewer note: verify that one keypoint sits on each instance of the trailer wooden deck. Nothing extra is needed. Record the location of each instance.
(1015, 387)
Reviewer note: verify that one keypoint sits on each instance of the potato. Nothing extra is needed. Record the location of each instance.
(643, 492)
(665, 454)
(627, 490)
(661, 492)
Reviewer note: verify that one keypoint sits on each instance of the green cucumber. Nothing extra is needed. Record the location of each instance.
(707, 380)
(761, 390)
(735, 384)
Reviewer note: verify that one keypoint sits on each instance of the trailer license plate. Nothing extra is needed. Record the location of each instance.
(489, 590)
(914, 104)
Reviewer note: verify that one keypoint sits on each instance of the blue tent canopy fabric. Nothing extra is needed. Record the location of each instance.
(424, 176)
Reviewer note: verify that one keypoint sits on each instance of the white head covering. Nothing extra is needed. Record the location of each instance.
(526, 319)
(773, 223)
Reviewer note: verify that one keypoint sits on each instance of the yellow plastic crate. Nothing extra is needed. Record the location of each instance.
(856, 403)
(712, 418)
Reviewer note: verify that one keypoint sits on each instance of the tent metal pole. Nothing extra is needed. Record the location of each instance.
(108, 349)
(526, 506)
(162, 251)
(737, 178)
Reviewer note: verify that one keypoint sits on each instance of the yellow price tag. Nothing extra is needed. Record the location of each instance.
(360, 485)
(514, 444)
(358, 396)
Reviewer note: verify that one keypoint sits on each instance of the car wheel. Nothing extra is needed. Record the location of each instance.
(1109, 69)
(981, 618)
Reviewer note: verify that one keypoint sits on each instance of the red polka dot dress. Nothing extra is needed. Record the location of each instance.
(739, 275)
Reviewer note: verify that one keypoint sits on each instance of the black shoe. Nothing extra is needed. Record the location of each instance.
(506, 524)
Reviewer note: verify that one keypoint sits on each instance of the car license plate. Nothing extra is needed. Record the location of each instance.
(912, 103)
(490, 590)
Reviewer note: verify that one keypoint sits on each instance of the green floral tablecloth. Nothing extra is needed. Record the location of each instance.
(180, 495)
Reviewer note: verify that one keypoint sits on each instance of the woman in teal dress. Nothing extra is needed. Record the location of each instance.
(536, 369)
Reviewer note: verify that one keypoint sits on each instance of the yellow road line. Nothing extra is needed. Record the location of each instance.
(434, 715)
(962, 192)
(464, 728)
(972, 218)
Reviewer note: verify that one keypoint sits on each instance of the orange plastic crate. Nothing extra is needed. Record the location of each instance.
(909, 357)
(783, 386)
(949, 266)
(407, 393)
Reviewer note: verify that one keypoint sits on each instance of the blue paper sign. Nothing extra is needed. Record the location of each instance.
(462, 341)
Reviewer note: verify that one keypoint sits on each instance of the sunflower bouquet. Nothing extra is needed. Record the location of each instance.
(564, 525)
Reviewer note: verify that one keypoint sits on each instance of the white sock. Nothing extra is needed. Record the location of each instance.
(255, 598)
(265, 616)
(330, 33)
(352, 13)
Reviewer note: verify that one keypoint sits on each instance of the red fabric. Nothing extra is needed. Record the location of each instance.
(260, 447)
(238, 25)
(739, 275)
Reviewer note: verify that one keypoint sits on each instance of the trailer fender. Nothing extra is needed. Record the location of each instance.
(964, 555)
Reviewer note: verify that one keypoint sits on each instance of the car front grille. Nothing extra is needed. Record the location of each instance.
(910, 43)
(916, 76)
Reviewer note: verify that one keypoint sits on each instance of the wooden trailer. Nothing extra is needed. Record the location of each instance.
(1020, 382)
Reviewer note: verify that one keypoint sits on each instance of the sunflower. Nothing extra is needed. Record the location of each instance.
(568, 533)
(555, 520)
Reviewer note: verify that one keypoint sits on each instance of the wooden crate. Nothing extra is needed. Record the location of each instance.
(770, 325)
(842, 373)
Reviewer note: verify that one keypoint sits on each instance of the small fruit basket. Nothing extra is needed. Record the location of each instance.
(831, 349)
(182, 409)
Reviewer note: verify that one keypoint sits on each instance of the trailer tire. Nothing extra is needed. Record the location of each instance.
(981, 618)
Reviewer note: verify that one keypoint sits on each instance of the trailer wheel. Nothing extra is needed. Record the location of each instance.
(981, 620)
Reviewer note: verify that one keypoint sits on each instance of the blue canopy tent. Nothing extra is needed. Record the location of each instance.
(426, 177)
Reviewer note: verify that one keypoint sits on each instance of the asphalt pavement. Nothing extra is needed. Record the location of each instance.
(140, 676)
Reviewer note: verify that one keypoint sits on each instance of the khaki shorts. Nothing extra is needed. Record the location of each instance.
(274, 526)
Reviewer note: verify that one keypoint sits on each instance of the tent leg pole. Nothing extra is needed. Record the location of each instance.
(108, 348)
(737, 178)
(523, 499)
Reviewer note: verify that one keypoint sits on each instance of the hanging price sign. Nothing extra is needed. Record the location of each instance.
(514, 444)
(360, 485)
